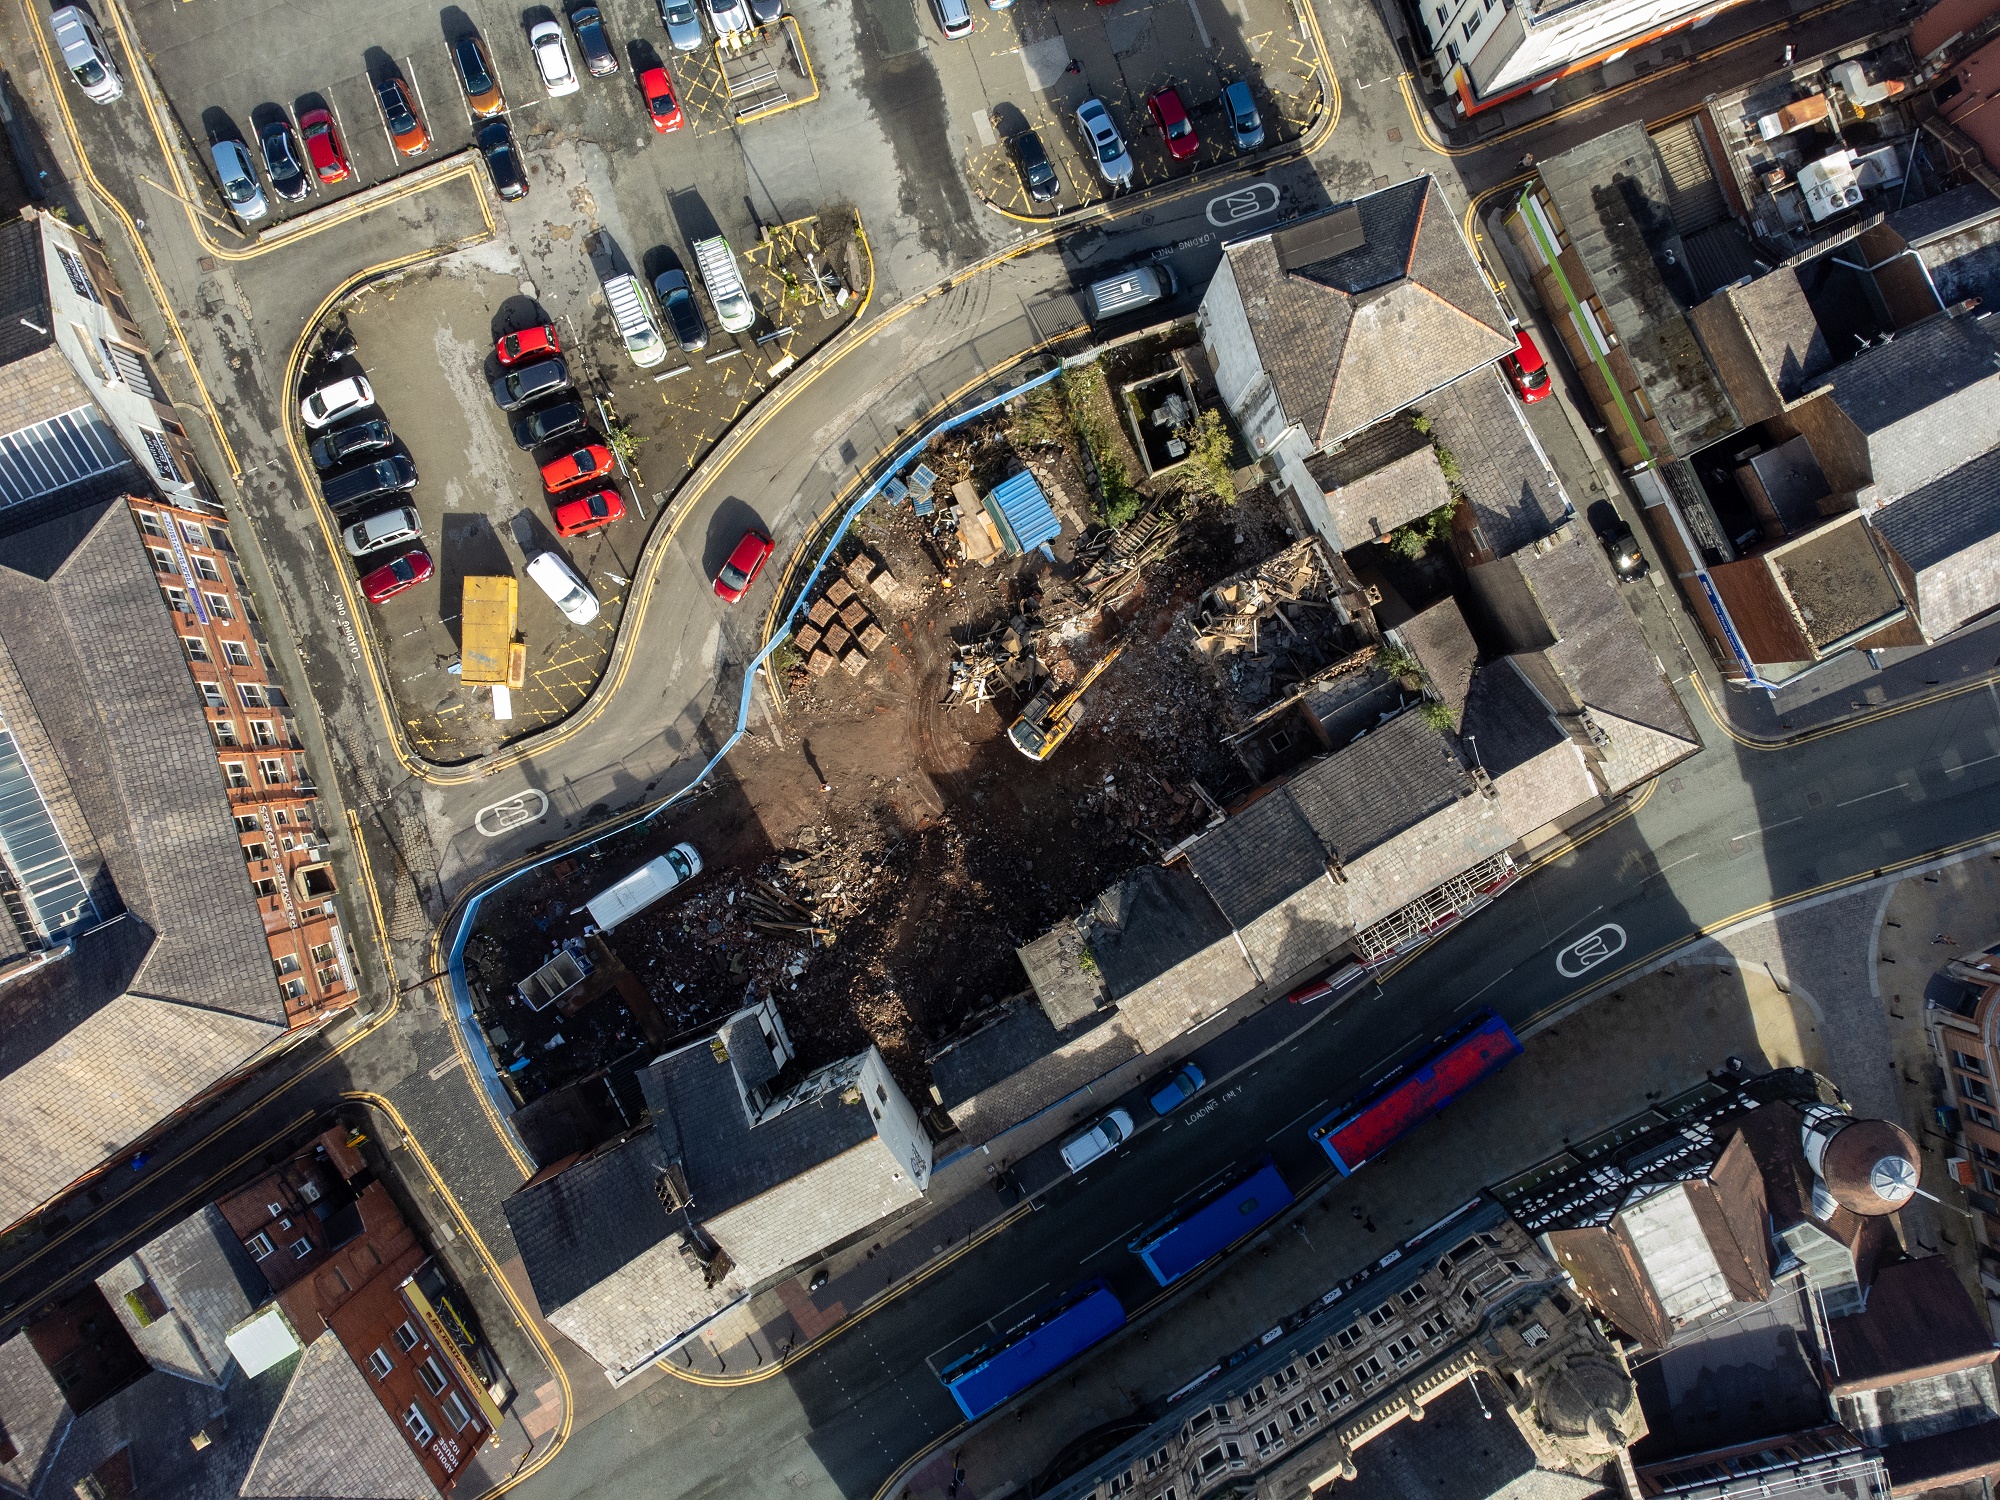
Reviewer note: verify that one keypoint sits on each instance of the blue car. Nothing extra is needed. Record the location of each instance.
(1177, 1090)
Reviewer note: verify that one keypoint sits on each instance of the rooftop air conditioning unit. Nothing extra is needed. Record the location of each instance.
(1830, 185)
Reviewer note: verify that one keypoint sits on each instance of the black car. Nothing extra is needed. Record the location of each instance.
(1037, 174)
(496, 143)
(677, 297)
(1627, 561)
(347, 492)
(767, 12)
(592, 39)
(525, 383)
(336, 447)
(539, 427)
(289, 180)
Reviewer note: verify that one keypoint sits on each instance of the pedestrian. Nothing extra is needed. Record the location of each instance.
(1074, 66)
(1528, 162)
(1944, 939)
(1369, 1225)
(1356, 1211)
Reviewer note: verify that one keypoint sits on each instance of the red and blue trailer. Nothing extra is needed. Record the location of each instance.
(1356, 1134)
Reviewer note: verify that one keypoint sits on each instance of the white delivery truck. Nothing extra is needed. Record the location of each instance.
(643, 887)
(638, 325)
(719, 274)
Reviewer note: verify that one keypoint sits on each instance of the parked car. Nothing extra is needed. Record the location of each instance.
(1171, 116)
(550, 423)
(727, 16)
(743, 566)
(552, 61)
(589, 513)
(1241, 110)
(1177, 1090)
(1527, 369)
(281, 160)
(525, 383)
(323, 148)
(1114, 162)
(1038, 173)
(383, 529)
(527, 343)
(503, 161)
(591, 461)
(954, 17)
(346, 492)
(1106, 1136)
(683, 23)
(399, 113)
(476, 77)
(238, 176)
(643, 887)
(85, 55)
(335, 448)
(1627, 561)
(593, 41)
(767, 12)
(568, 592)
(399, 573)
(676, 297)
(662, 108)
(341, 398)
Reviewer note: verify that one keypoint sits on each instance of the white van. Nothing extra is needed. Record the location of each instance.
(85, 55)
(643, 887)
(638, 324)
(719, 274)
(569, 593)
(1130, 290)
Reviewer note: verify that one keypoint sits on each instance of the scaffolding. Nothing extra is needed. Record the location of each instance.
(1421, 920)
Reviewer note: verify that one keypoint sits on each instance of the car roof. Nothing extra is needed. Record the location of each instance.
(1169, 101)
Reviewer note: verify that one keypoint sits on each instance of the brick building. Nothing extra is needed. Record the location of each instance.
(1963, 1020)
(269, 783)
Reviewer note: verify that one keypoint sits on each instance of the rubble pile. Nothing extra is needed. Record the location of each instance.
(1276, 625)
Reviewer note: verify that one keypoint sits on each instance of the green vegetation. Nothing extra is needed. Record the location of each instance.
(623, 441)
(784, 661)
(1448, 466)
(1087, 961)
(1399, 663)
(1040, 421)
(1209, 454)
(1439, 716)
(1088, 397)
(1410, 540)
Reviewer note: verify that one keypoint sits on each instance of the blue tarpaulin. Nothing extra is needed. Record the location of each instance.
(1021, 511)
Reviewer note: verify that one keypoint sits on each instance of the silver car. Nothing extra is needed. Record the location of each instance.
(1106, 1136)
(238, 175)
(683, 23)
(727, 16)
(1114, 162)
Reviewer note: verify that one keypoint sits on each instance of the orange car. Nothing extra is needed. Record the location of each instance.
(593, 461)
(589, 513)
(399, 113)
(475, 75)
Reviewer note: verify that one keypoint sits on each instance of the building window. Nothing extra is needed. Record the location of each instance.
(177, 599)
(274, 771)
(262, 732)
(225, 732)
(236, 653)
(455, 1411)
(1347, 1338)
(218, 606)
(1982, 1117)
(79, 278)
(380, 1363)
(197, 648)
(219, 539)
(420, 1430)
(150, 523)
(197, 535)
(256, 851)
(295, 989)
(259, 1245)
(211, 695)
(205, 569)
(1971, 1065)
(233, 770)
(322, 953)
(1972, 1088)
(264, 887)
(1382, 1314)
(161, 456)
(252, 694)
(301, 1249)
(1472, 23)
(431, 1373)
(246, 823)
(133, 369)
(406, 1337)
(288, 964)
(163, 560)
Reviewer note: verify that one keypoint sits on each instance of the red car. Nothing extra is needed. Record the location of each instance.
(572, 469)
(581, 516)
(1172, 119)
(1527, 369)
(323, 146)
(662, 108)
(528, 343)
(399, 573)
(744, 564)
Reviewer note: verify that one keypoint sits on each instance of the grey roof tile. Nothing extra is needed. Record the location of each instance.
(1444, 648)
(1784, 331)
(209, 1284)
(330, 1437)
(24, 291)
(1258, 858)
(1379, 786)
(33, 1414)
(1948, 533)
(1926, 402)
(1155, 918)
(1514, 495)
(1945, 213)
(1505, 724)
(591, 1219)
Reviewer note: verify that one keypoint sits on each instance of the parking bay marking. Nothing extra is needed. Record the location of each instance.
(512, 812)
(1590, 950)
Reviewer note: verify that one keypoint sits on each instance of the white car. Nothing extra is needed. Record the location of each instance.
(332, 402)
(552, 59)
(558, 580)
(1114, 162)
(1109, 1133)
(85, 55)
(727, 16)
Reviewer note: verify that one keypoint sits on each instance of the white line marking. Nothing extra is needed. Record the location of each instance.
(1867, 796)
(1664, 868)
(1295, 1120)
(1767, 828)
(1966, 765)
(1116, 1240)
(1497, 978)
(1195, 10)
(1573, 926)
(423, 109)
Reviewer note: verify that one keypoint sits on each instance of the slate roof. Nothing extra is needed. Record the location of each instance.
(1376, 505)
(209, 1283)
(179, 994)
(1514, 494)
(1919, 1321)
(33, 1411)
(1612, 195)
(590, 1219)
(1155, 918)
(24, 291)
(1258, 858)
(1948, 532)
(331, 1437)
(1379, 786)
(1926, 402)
(1455, 1453)
(1364, 308)
(1505, 724)
(1444, 648)
(1943, 214)
(1783, 331)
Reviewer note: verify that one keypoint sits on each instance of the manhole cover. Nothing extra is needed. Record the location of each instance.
(1146, 218)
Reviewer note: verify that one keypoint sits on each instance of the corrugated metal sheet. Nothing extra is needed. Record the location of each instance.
(1021, 511)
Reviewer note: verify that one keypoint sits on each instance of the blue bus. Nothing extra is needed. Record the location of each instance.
(1412, 1094)
(1001, 1369)
(1184, 1239)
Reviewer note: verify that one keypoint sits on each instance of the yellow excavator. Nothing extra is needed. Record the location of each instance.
(1047, 720)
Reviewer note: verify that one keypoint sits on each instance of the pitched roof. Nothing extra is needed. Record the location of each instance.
(1926, 402)
(1612, 195)
(331, 1437)
(1388, 781)
(586, 1220)
(1155, 918)
(1444, 648)
(1514, 494)
(1944, 213)
(1363, 308)
(34, 1412)
(1375, 505)
(24, 291)
(209, 1284)
(1783, 330)
(1505, 724)
(1919, 1321)
(1948, 533)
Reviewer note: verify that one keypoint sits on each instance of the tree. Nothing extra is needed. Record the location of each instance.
(1209, 453)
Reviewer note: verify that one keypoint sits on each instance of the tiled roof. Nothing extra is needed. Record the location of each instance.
(1376, 505)
(1513, 492)
(1002, 1075)
(1444, 648)
(24, 291)
(591, 1219)
(33, 1412)
(1356, 325)
(331, 1437)
(1919, 1321)
(1505, 724)
(1612, 195)
(1258, 858)
(1378, 786)
(1783, 331)
(1153, 919)
(1944, 213)
(1948, 533)
(1926, 402)
(154, 1009)
(209, 1283)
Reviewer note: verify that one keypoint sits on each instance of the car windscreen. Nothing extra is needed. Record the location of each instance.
(89, 72)
(1176, 129)
(239, 189)
(679, 863)
(734, 577)
(679, 15)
